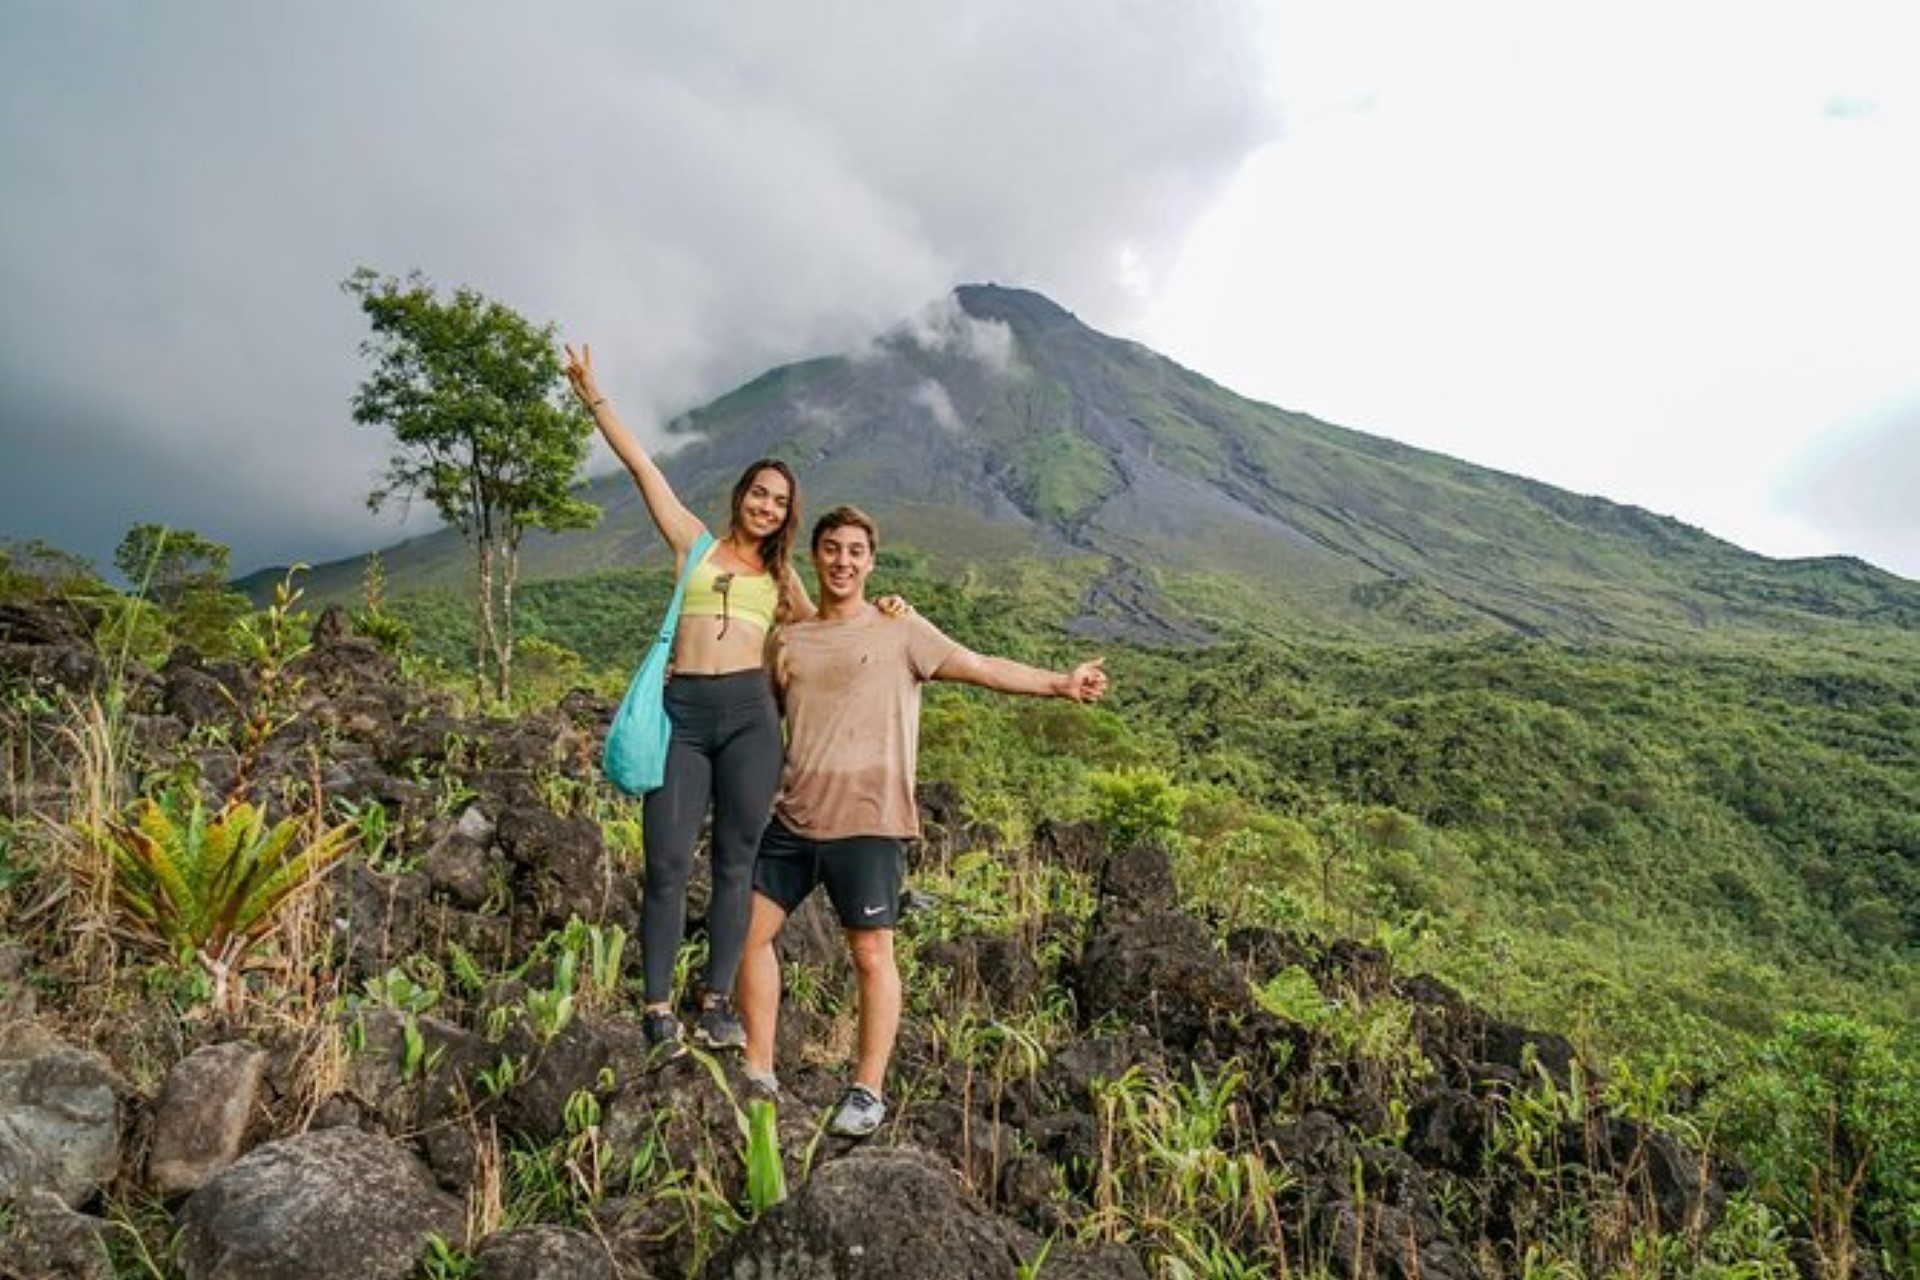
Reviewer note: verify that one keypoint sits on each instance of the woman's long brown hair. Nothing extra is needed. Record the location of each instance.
(776, 549)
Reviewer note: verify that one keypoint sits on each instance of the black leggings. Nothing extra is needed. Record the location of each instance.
(725, 752)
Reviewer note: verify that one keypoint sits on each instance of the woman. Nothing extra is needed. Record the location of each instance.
(726, 747)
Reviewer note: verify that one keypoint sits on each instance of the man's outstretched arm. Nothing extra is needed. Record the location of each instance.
(1085, 683)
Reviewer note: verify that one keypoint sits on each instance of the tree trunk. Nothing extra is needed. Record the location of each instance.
(509, 575)
(483, 619)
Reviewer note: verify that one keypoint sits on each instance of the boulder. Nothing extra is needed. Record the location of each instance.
(42, 623)
(945, 828)
(543, 1253)
(571, 1062)
(42, 1239)
(1077, 846)
(59, 1117)
(562, 869)
(880, 1212)
(1152, 964)
(459, 865)
(897, 1211)
(197, 692)
(1679, 1189)
(410, 1068)
(49, 644)
(325, 1204)
(1369, 1210)
(202, 1116)
(998, 968)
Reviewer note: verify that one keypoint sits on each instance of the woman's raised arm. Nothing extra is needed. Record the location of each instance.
(676, 523)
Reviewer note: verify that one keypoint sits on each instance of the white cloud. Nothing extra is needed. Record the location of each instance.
(700, 191)
(1656, 252)
(1626, 250)
(933, 397)
(944, 327)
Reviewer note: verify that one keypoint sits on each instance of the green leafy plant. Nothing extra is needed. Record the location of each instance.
(589, 956)
(397, 989)
(142, 1238)
(501, 1076)
(369, 819)
(466, 971)
(1181, 1170)
(269, 640)
(210, 887)
(564, 1180)
(446, 1261)
(550, 1009)
(766, 1176)
(1136, 805)
(1031, 1268)
(1828, 1115)
(373, 621)
(585, 974)
(586, 1153)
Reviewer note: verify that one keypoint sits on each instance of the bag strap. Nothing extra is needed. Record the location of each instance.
(694, 554)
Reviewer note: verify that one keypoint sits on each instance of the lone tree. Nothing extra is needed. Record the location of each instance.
(477, 403)
(186, 575)
(167, 563)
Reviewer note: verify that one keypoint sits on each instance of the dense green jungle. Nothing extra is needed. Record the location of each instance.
(1699, 863)
(1668, 854)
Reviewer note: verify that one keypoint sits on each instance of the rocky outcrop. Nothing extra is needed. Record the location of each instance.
(884, 1213)
(325, 1204)
(996, 1145)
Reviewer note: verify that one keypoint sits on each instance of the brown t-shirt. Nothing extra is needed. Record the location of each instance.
(851, 689)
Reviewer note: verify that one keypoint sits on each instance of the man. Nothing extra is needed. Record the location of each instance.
(850, 682)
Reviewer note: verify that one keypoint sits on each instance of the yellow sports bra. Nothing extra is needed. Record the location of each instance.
(712, 593)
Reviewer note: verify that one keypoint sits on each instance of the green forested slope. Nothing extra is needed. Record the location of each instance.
(1639, 845)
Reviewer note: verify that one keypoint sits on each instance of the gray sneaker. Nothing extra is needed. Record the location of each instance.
(859, 1113)
(718, 1026)
(764, 1083)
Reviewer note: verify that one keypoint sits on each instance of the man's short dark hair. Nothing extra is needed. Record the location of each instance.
(845, 517)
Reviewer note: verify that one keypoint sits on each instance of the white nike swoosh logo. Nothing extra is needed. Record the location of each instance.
(872, 911)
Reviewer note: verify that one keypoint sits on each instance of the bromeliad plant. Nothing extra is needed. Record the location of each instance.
(210, 887)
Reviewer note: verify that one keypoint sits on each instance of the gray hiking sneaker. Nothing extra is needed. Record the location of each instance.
(662, 1032)
(859, 1113)
(764, 1083)
(718, 1026)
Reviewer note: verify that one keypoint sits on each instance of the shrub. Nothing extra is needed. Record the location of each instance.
(1828, 1114)
(210, 887)
(1136, 805)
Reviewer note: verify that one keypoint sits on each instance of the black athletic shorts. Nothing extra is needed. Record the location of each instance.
(862, 874)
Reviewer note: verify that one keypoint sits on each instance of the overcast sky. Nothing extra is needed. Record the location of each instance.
(1661, 252)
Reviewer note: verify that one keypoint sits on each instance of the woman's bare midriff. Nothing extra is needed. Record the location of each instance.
(698, 649)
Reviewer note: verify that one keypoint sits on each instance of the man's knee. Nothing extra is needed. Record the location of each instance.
(871, 949)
